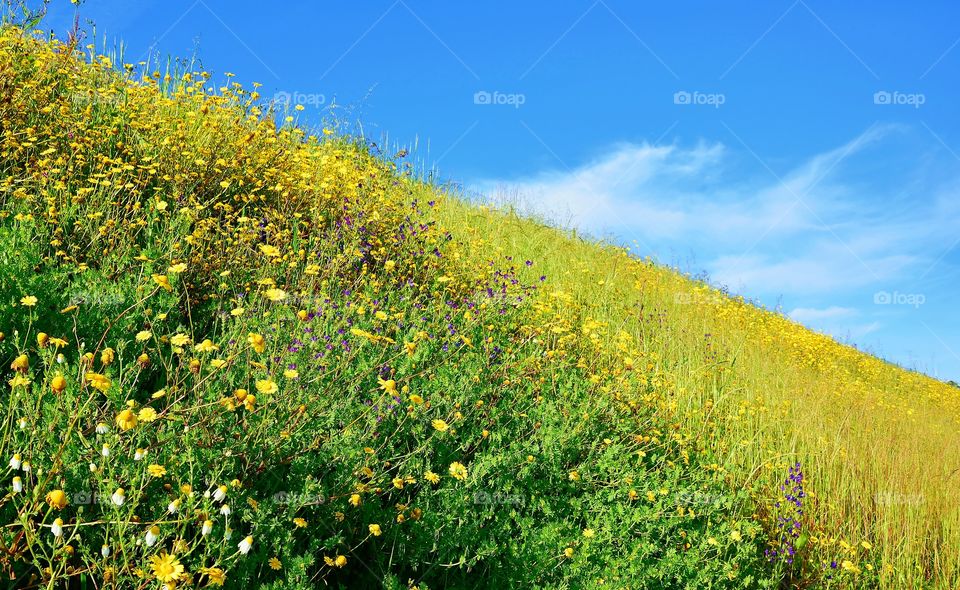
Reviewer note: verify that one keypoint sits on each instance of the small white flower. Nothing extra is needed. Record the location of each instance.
(118, 497)
(61, 359)
(17, 485)
(57, 527)
(22, 423)
(93, 467)
(26, 466)
(245, 545)
(227, 534)
(105, 551)
(102, 428)
(225, 510)
(207, 527)
(15, 461)
(173, 507)
(139, 454)
(105, 451)
(220, 493)
(152, 534)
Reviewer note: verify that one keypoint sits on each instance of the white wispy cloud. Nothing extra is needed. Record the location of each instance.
(822, 237)
(822, 226)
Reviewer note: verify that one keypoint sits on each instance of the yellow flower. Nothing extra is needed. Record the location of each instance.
(387, 385)
(215, 575)
(166, 567)
(568, 552)
(440, 425)
(58, 383)
(275, 564)
(276, 294)
(416, 399)
(143, 336)
(127, 419)
(98, 381)
(163, 281)
(20, 364)
(458, 471)
(431, 477)
(157, 470)
(206, 346)
(57, 499)
(355, 500)
(28, 301)
(735, 536)
(266, 386)
(107, 356)
(257, 342)
(269, 251)
(375, 530)
(299, 523)
(850, 567)
(42, 339)
(179, 340)
(588, 533)
(177, 268)
(147, 414)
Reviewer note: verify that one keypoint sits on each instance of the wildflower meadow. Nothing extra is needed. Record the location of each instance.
(240, 352)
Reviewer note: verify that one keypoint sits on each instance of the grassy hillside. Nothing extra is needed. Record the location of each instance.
(235, 351)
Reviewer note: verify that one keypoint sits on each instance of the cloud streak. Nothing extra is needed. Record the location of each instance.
(825, 234)
(806, 231)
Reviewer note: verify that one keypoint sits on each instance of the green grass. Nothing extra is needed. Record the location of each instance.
(398, 388)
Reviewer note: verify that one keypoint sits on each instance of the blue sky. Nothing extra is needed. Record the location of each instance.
(804, 153)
